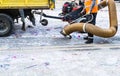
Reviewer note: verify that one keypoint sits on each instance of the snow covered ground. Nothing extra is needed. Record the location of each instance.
(43, 51)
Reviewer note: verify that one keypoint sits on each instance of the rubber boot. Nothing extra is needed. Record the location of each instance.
(89, 40)
(85, 38)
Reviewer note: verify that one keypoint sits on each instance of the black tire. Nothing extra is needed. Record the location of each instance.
(6, 25)
(44, 22)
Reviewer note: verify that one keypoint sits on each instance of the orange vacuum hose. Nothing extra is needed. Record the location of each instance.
(95, 30)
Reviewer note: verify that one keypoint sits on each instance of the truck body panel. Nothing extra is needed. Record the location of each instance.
(23, 4)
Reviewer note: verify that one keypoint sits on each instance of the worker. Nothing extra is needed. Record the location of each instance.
(91, 7)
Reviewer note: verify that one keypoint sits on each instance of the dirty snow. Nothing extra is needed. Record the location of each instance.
(43, 51)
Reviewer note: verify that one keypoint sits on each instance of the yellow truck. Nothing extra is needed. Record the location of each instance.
(14, 9)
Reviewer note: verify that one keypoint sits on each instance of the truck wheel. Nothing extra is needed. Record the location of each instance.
(6, 25)
(44, 22)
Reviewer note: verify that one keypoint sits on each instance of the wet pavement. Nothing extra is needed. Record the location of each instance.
(43, 51)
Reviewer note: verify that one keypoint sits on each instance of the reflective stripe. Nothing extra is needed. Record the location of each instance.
(90, 37)
(88, 3)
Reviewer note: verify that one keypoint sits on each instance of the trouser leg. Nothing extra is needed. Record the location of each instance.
(21, 11)
(90, 36)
